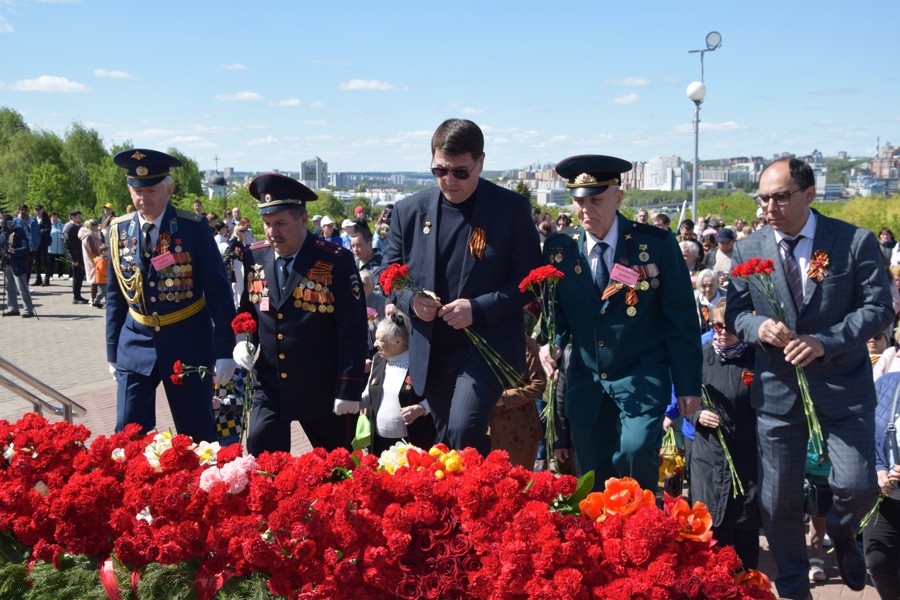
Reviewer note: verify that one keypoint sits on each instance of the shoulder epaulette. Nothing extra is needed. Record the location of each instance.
(122, 219)
(651, 230)
(553, 237)
(259, 244)
(186, 214)
(329, 247)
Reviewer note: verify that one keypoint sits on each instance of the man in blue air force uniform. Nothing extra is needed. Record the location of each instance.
(168, 299)
(627, 306)
(312, 333)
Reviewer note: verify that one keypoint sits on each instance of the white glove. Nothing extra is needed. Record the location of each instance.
(243, 355)
(112, 371)
(224, 370)
(345, 407)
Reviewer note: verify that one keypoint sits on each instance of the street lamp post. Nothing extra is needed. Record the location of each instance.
(696, 91)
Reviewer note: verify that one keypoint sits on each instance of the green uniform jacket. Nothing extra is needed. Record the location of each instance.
(635, 359)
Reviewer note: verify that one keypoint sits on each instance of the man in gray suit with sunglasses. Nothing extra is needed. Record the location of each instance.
(831, 281)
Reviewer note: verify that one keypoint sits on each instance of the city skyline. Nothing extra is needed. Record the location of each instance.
(363, 86)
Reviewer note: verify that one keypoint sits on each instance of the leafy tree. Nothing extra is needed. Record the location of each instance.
(11, 123)
(48, 186)
(108, 181)
(328, 204)
(82, 147)
(185, 178)
(26, 150)
(522, 189)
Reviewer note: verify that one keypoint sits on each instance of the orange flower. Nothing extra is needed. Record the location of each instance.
(592, 507)
(753, 577)
(693, 524)
(624, 496)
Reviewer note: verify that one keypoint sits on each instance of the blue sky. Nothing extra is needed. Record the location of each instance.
(363, 85)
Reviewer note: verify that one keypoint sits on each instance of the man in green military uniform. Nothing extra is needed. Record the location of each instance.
(627, 307)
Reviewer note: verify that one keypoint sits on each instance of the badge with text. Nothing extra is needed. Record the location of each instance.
(162, 261)
(264, 303)
(624, 274)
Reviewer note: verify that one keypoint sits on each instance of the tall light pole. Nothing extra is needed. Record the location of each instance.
(696, 91)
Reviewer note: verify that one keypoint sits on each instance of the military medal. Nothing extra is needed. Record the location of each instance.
(254, 298)
(644, 286)
(578, 268)
(427, 229)
(631, 311)
(644, 256)
(558, 257)
(654, 283)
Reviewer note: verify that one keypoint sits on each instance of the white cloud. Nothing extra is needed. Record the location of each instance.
(317, 123)
(257, 126)
(288, 102)
(237, 97)
(263, 141)
(49, 84)
(192, 141)
(5, 27)
(705, 126)
(151, 133)
(558, 138)
(629, 82)
(671, 80)
(472, 111)
(234, 67)
(317, 104)
(320, 138)
(112, 74)
(367, 85)
(626, 99)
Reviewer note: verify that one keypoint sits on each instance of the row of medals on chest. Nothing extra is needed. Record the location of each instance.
(643, 271)
(306, 295)
(175, 283)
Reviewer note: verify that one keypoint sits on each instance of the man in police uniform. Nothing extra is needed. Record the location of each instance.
(308, 302)
(627, 306)
(168, 299)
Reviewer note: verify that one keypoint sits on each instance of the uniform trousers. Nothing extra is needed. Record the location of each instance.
(269, 432)
(190, 403)
(618, 445)
(462, 398)
(782, 440)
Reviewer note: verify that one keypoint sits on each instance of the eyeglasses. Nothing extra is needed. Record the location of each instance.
(718, 327)
(780, 198)
(458, 173)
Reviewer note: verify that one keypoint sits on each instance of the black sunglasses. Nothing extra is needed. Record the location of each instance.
(458, 173)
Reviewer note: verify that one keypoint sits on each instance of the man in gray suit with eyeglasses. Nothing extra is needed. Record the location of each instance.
(831, 280)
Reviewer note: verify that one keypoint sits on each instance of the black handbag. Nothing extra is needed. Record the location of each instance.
(818, 497)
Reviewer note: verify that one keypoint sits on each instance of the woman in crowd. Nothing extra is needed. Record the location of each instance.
(877, 345)
(727, 377)
(691, 253)
(886, 243)
(396, 411)
(886, 349)
(90, 248)
(379, 241)
(709, 240)
(707, 294)
(236, 246)
(57, 249)
(515, 425)
(881, 537)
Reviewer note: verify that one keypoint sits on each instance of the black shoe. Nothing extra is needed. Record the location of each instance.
(10, 313)
(27, 315)
(97, 305)
(38, 281)
(79, 301)
(850, 562)
(46, 283)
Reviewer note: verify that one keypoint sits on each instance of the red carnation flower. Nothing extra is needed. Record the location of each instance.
(392, 277)
(537, 276)
(244, 324)
(177, 373)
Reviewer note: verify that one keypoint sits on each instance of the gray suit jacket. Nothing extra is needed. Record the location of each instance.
(849, 306)
(512, 250)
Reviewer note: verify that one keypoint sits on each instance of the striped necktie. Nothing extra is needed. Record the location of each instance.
(601, 277)
(792, 270)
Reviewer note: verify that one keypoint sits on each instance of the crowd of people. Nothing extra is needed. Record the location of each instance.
(650, 327)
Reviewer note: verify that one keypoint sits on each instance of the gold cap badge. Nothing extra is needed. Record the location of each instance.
(138, 155)
(141, 171)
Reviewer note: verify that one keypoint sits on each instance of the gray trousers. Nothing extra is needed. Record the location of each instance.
(15, 285)
(850, 444)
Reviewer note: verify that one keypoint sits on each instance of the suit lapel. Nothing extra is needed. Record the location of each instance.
(822, 240)
(270, 270)
(428, 219)
(481, 217)
(586, 278)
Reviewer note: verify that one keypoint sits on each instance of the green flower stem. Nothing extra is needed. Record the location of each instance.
(872, 515)
(736, 486)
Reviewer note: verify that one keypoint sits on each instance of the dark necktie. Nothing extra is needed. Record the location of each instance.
(285, 269)
(792, 270)
(146, 245)
(601, 277)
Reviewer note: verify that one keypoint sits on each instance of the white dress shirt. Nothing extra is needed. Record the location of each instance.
(612, 237)
(803, 249)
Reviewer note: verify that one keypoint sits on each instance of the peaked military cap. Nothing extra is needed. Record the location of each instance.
(277, 192)
(145, 167)
(591, 174)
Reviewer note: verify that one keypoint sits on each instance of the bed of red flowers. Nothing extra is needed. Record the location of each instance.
(156, 516)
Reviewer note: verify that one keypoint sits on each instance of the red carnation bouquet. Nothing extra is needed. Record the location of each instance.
(761, 271)
(396, 277)
(542, 283)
